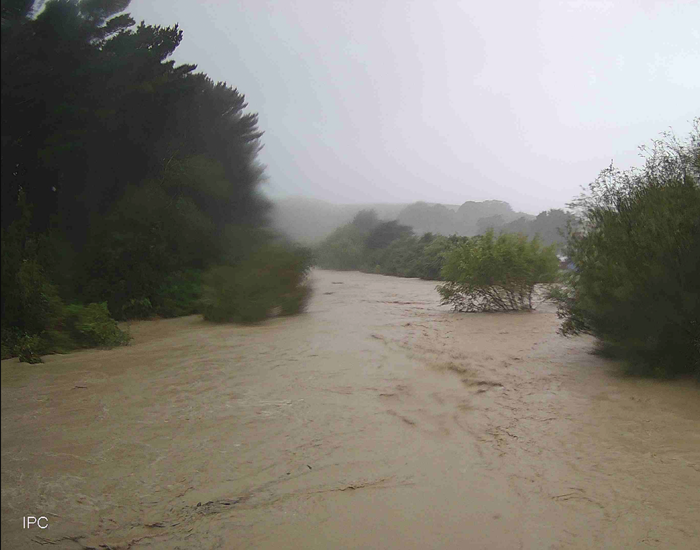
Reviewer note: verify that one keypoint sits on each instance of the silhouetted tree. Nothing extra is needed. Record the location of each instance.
(366, 220)
(385, 233)
(121, 172)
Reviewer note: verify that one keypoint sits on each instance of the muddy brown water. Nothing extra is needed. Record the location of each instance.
(379, 419)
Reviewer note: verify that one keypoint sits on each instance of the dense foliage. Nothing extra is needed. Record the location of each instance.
(637, 255)
(272, 280)
(389, 248)
(124, 176)
(489, 273)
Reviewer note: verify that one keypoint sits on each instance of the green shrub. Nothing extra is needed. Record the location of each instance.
(485, 273)
(40, 306)
(400, 258)
(273, 278)
(140, 308)
(180, 294)
(637, 255)
(92, 326)
(434, 256)
(10, 338)
(29, 349)
(296, 300)
(386, 248)
(237, 294)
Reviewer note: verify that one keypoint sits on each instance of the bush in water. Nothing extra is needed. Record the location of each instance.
(273, 279)
(486, 273)
(92, 326)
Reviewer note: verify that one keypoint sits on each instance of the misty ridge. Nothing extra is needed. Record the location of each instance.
(309, 221)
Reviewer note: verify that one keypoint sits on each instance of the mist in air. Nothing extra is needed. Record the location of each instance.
(444, 102)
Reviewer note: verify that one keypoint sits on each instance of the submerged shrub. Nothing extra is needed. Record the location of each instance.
(29, 349)
(237, 294)
(92, 326)
(17, 343)
(296, 300)
(486, 273)
(273, 278)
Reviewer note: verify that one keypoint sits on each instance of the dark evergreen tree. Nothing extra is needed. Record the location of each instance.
(121, 171)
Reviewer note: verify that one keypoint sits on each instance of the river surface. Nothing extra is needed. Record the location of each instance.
(378, 419)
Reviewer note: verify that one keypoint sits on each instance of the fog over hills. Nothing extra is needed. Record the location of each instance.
(309, 221)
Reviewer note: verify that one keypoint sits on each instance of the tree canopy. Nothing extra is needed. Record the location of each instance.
(120, 168)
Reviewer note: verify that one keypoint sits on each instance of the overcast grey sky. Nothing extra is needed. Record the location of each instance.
(445, 100)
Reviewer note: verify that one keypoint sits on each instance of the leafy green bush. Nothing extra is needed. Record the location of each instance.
(180, 294)
(386, 248)
(140, 308)
(397, 259)
(273, 278)
(296, 300)
(40, 305)
(637, 255)
(434, 256)
(411, 256)
(8, 340)
(485, 273)
(123, 264)
(92, 326)
(29, 349)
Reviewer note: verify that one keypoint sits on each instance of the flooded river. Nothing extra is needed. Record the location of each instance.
(379, 419)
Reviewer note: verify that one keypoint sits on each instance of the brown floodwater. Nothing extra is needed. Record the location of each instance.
(378, 419)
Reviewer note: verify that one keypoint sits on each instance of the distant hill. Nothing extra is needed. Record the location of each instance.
(309, 221)
(469, 219)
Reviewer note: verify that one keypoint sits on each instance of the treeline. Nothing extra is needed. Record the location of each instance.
(385, 247)
(391, 248)
(475, 218)
(550, 226)
(127, 181)
(463, 221)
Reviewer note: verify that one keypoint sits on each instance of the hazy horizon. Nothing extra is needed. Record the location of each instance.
(444, 102)
(385, 203)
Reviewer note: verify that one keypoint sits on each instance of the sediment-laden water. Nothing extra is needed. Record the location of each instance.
(378, 419)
